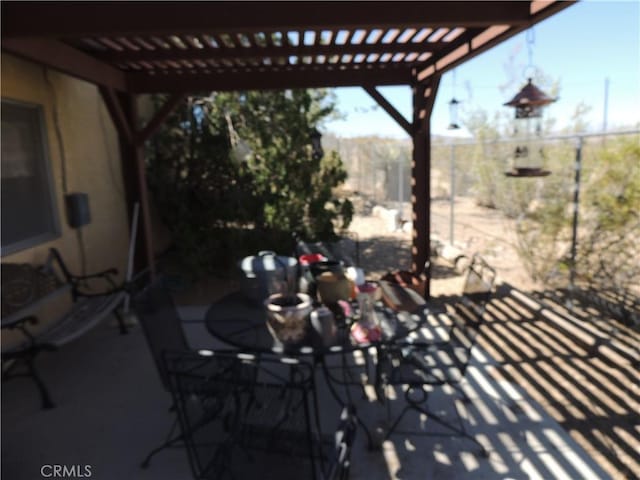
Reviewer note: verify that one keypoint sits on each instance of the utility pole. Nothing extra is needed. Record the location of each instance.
(606, 105)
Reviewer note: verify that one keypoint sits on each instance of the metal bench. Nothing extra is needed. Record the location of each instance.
(26, 289)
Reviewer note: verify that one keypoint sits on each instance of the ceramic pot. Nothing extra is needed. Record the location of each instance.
(333, 287)
(267, 273)
(333, 266)
(288, 316)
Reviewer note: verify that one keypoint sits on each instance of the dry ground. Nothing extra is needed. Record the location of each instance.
(476, 230)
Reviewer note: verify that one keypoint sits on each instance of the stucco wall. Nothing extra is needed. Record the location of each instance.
(92, 164)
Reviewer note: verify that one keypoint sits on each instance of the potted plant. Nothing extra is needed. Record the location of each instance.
(287, 315)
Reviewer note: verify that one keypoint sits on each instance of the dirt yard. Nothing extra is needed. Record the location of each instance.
(476, 230)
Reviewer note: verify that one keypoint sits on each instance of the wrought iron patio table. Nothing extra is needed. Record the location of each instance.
(243, 324)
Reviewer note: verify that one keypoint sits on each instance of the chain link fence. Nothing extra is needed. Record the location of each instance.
(561, 236)
(381, 168)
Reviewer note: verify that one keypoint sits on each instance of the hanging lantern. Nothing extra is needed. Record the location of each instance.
(529, 158)
(453, 114)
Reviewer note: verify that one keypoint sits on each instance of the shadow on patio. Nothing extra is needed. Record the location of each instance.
(553, 395)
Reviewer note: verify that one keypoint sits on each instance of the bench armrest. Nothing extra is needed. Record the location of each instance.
(105, 273)
(30, 340)
(76, 280)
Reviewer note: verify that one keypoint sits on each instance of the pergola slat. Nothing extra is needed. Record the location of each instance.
(257, 51)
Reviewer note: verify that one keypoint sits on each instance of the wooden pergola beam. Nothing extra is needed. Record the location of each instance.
(390, 109)
(123, 111)
(64, 58)
(135, 181)
(493, 35)
(424, 95)
(269, 80)
(117, 113)
(78, 19)
(159, 118)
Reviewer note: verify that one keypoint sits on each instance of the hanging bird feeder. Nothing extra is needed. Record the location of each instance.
(529, 157)
(453, 114)
(453, 106)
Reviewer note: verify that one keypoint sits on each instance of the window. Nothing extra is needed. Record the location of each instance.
(29, 213)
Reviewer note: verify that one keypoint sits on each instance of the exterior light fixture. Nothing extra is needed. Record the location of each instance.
(529, 157)
(316, 144)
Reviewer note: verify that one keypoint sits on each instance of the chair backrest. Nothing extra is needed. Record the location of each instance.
(231, 400)
(160, 323)
(443, 362)
(469, 313)
(345, 248)
(479, 281)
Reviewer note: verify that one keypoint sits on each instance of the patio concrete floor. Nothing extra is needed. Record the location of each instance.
(111, 410)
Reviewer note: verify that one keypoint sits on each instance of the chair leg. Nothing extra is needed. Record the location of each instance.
(220, 464)
(417, 406)
(397, 421)
(171, 440)
(461, 432)
(47, 403)
(121, 324)
(350, 373)
(463, 394)
(334, 394)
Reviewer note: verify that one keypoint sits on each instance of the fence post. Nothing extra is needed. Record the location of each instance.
(452, 193)
(576, 210)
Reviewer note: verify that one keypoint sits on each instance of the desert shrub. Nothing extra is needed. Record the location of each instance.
(607, 253)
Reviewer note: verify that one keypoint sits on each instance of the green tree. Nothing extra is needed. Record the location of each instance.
(295, 187)
(233, 173)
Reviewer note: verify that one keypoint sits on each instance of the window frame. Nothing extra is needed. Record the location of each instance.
(45, 170)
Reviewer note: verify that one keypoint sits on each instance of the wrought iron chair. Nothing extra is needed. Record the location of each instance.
(163, 332)
(344, 248)
(421, 366)
(236, 404)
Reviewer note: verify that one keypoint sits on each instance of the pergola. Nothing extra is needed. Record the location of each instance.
(131, 48)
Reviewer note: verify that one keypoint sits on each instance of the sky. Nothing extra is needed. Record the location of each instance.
(580, 48)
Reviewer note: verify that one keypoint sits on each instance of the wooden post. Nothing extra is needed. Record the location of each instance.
(423, 99)
(135, 180)
(124, 114)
